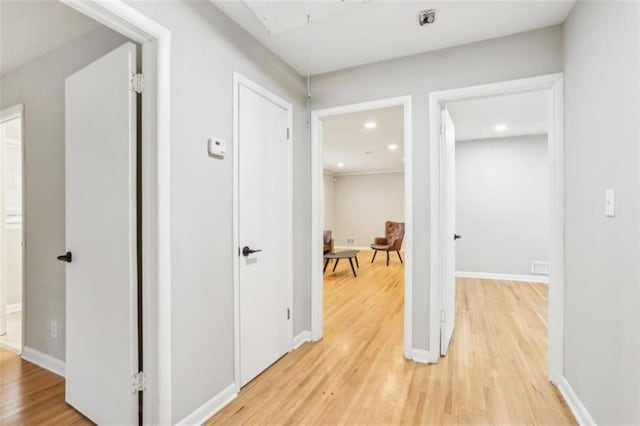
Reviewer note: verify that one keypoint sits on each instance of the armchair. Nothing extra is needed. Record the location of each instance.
(327, 240)
(394, 234)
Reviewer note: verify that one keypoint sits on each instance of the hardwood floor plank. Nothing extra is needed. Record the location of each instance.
(31, 395)
(495, 372)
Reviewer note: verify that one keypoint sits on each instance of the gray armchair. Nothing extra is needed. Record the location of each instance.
(328, 242)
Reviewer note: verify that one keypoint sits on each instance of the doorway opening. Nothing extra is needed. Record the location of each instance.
(98, 33)
(363, 179)
(11, 229)
(497, 173)
(361, 209)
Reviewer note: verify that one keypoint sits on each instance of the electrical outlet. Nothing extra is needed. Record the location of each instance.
(539, 267)
(53, 327)
(351, 240)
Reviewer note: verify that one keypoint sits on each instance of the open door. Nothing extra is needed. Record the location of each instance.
(448, 313)
(101, 273)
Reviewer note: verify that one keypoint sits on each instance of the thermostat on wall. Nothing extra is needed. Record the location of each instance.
(217, 147)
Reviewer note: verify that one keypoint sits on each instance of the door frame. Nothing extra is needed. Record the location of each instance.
(7, 114)
(553, 84)
(241, 80)
(156, 209)
(317, 215)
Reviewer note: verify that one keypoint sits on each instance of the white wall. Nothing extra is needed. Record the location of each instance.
(329, 202)
(363, 203)
(207, 47)
(518, 56)
(39, 85)
(602, 255)
(502, 209)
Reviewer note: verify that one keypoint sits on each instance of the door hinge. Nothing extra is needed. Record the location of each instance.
(288, 313)
(288, 133)
(443, 316)
(137, 83)
(138, 382)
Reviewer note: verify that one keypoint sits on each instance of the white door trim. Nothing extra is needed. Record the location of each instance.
(156, 208)
(554, 84)
(240, 80)
(317, 212)
(11, 113)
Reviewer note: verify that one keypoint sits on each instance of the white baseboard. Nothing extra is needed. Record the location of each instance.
(504, 277)
(575, 405)
(352, 248)
(211, 407)
(421, 356)
(303, 337)
(43, 360)
(363, 248)
(16, 307)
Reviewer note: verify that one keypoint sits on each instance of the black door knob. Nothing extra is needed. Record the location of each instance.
(456, 237)
(67, 257)
(246, 251)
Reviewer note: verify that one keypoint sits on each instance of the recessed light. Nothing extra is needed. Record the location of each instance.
(500, 127)
(340, 164)
(393, 147)
(370, 125)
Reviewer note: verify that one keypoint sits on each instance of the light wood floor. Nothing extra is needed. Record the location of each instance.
(495, 372)
(12, 340)
(30, 395)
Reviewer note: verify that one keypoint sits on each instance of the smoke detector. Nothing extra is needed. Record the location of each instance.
(427, 17)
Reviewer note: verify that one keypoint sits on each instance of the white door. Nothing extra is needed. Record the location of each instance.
(265, 225)
(101, 288)
(448, 315)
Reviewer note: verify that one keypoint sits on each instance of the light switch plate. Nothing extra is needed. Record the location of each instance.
(610, 202)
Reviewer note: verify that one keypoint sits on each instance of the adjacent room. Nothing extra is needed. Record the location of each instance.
(502, 187)
(363, 172)
(363, 178)
(500, 217)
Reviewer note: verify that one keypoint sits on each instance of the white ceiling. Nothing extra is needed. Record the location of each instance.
(348, 33)
(523, 114)
(29, 29)
(346, 140)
